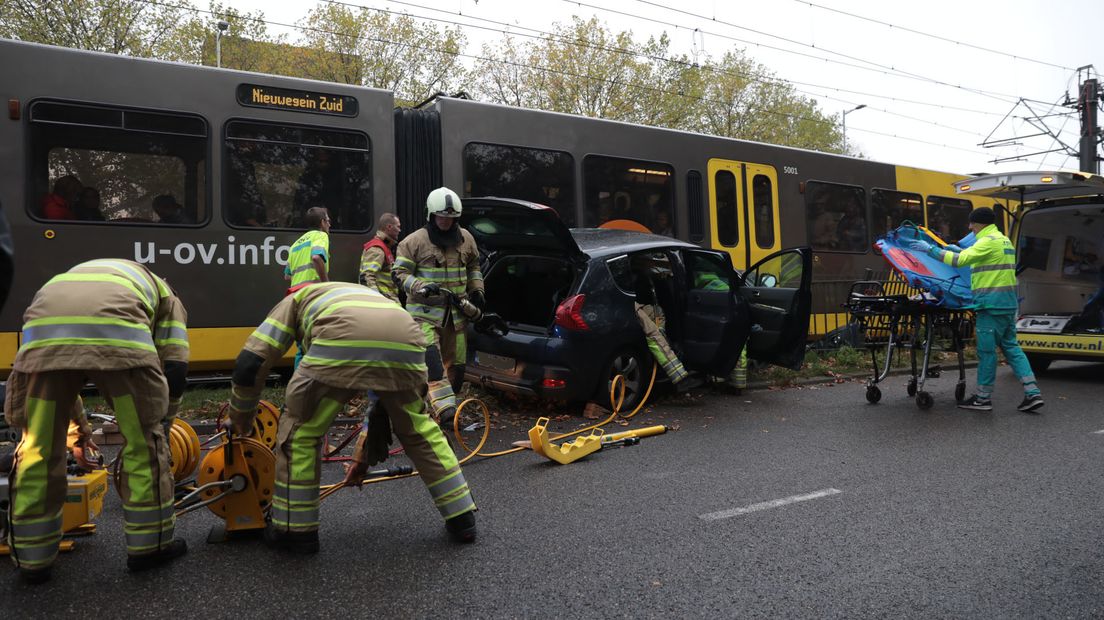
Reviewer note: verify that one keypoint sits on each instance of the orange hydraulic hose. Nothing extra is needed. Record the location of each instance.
(617, 398)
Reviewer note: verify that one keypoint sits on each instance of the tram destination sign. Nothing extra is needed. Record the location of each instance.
(256, 96)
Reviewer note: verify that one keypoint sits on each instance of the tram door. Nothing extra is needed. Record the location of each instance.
(743, 204)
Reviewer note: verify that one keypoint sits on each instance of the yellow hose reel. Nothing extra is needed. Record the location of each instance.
(183, 449)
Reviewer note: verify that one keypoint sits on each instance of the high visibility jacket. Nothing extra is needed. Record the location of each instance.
(352, 337)
(300, 265)
(418, 262)
(375, 266)
(992, 263)
(107, 314)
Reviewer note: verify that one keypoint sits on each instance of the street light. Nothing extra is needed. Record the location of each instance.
(858, 107)
(223, 25)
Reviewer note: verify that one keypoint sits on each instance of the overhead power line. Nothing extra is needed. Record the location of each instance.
(524, 66)
(934, 36)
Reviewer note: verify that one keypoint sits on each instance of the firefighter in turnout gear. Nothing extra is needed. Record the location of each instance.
(113, 322)
(354, 340)
(992, 262)
(379, 255)
(430, 263)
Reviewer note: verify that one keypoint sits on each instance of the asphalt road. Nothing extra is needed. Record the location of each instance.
(792, 503)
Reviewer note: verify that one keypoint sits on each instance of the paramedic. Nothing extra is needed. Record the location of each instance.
(992, 262)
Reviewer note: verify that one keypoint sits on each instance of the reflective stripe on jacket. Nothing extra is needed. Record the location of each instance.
(300, 265)
(107, 314)
(992, 263)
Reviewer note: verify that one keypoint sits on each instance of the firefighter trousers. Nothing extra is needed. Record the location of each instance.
(446, 354)
(311, 407)
(660, 347)
(42, 405)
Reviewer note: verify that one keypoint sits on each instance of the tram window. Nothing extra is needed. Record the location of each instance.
(104, 164)
(537, 175)
(696, 206)
(949, 217)
(889, 209)
(728, 225)
(274, 173)
(763, 200)
(836, 216)
(629, 189)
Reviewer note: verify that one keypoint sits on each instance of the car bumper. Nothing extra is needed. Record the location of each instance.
(508, 365)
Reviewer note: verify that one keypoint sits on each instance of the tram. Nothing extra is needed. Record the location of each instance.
(205, 174)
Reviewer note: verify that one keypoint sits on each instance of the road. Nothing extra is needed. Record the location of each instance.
(793, 503)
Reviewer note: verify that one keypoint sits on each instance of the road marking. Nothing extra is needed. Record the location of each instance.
(774, 503)
(1099, 432)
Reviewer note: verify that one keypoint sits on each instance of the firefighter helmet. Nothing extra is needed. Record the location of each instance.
(443, 201)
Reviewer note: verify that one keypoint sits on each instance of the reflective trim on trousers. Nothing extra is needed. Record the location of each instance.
(441, 396)
(302, 516)
(297, 492)
(148, 542)
(144, 515)
(35, 542)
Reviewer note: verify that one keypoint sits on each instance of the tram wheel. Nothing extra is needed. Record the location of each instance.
(924, 400)
(873, 394)
(911, 387)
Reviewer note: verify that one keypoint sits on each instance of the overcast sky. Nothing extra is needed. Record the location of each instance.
(853, 52)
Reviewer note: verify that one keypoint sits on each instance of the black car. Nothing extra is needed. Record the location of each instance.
(568, 297)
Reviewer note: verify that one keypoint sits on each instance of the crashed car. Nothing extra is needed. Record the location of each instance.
(568, 297)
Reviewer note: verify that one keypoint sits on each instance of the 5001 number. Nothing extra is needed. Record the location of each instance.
(789, 169)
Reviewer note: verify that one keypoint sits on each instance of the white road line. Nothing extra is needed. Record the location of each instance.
(1099, 432)
(774, 503)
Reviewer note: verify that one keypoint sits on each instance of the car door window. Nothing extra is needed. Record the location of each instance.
(783, 270)
(708, 272)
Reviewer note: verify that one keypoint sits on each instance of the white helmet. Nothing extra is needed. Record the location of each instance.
(443, 201)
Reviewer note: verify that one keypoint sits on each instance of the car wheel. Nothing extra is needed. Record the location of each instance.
(1038, 364)
(636, 367)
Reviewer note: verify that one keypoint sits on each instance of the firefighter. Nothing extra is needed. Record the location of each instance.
(430, 263)
(379, 255)
(354, 340)
(309, 259)
(114, 322)
(992, 262)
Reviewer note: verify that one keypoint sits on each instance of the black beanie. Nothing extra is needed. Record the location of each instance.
(983, 215)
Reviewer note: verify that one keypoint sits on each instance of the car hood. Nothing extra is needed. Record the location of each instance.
(505, 225)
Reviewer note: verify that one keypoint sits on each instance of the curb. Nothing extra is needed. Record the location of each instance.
(763, 385)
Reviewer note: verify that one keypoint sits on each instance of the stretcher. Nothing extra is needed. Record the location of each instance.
(894, 317)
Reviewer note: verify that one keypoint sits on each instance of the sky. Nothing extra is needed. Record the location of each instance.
(937, 78)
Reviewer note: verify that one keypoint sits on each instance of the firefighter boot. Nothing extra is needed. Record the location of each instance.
(295, 542)
(164, 555)
(35, 576)
(462, 527)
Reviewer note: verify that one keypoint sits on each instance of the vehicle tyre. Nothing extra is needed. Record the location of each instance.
(924, 400)
(1038, 363)
(636, 366)
(873, 394)
(911, 387)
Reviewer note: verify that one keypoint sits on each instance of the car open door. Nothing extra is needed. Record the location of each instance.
(715, 324)
(778, 292)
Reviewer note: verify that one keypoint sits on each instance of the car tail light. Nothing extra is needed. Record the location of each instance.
(569, 313)
(554, 384)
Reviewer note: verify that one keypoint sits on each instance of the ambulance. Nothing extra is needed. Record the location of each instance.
(1058, 229)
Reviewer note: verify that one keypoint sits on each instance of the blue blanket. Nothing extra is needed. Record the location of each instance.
(948, 287)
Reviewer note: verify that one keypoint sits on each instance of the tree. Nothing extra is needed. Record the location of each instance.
(371, 48)
(117, 26)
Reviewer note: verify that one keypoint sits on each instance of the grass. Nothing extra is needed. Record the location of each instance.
(201, 403)
(844, 362)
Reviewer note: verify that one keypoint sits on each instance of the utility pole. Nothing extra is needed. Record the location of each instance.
(1088, 106)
